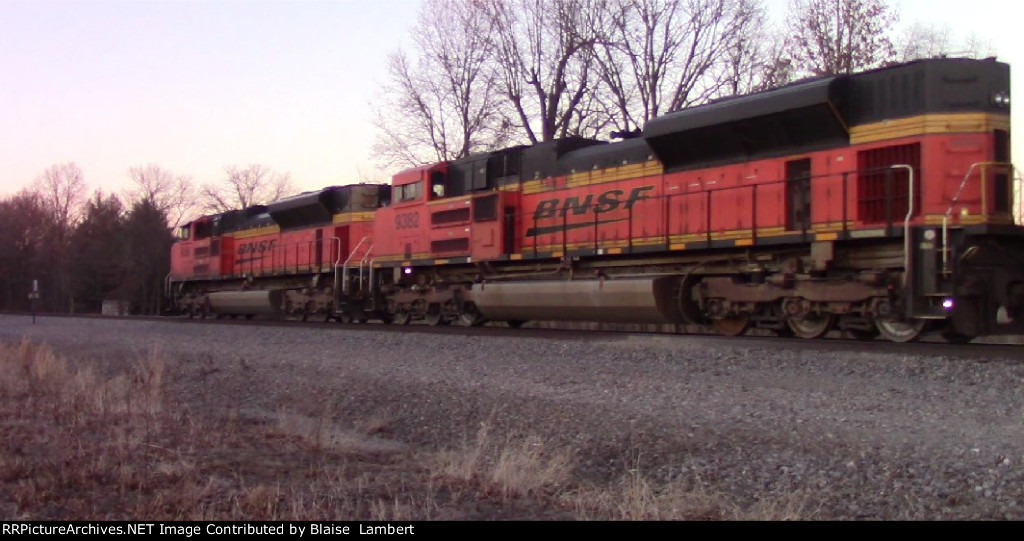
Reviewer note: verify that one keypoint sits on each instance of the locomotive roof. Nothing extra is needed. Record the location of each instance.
(786, 98)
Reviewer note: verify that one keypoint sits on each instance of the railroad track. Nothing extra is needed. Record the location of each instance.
(984, 350)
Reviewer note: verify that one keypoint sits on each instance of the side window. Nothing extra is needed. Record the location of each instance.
(410, 192)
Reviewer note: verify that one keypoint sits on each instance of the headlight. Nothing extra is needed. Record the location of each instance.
(1001, 99)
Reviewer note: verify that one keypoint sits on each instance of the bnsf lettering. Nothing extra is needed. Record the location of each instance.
(256, 247)
(606, 202)
(409, 220)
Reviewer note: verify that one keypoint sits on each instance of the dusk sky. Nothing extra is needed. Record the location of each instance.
(194, 86)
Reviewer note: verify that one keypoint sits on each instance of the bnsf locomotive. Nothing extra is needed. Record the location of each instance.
(877, 203)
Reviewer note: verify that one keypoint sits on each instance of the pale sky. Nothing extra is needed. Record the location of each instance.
(194, 86)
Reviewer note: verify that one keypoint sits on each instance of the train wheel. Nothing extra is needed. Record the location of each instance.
(811, 326)
(434, 317)
(516, 323)
(732, 326)
(471, 317)
(344, 317)
(401, 318)
(901, 331)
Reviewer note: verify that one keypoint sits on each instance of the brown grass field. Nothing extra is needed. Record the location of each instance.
(78, 445)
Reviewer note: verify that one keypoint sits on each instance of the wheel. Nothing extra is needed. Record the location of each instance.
(401, 318)
(434, 317)
(516, 323)
(471, 317)
(732, 326)
(811, 326)
(344, 317)
(901, 331)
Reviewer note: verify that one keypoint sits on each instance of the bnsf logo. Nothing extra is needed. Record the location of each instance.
(605, 202)
(256, 247)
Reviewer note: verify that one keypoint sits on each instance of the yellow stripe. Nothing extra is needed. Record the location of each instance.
(826, 236)
(929, 124)
(259, 231)
(349, 217)
(451, 200)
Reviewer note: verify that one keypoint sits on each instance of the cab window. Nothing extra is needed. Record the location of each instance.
(409, 192)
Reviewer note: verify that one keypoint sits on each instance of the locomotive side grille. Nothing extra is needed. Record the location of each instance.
(460, 245)
(881, 190)
(454, 216)
(485, 209)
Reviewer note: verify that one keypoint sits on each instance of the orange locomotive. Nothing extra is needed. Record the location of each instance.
(874, 203)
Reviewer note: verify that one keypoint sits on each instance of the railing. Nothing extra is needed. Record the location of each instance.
(676, 209)
(344, 270)
(983, 166)
(285, 258)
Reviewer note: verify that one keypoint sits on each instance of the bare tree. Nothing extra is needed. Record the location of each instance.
(756, 59)
(545, 59)
(829, 37)
(254, 184)
(174, 195)
(61, 190)
(663, 55)
(930, 41)
(443, 102)
(22, 245)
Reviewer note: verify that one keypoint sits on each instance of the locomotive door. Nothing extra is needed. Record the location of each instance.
(798, 195)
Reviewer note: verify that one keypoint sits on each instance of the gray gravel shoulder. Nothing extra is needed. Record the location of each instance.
(865, 435)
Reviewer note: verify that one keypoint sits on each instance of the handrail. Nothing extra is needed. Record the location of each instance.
(344, 269)
(906, 221)
(956, 198)
(362, 262)
(337, 260)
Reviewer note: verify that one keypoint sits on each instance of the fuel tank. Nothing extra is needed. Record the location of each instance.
(641, 300)
(261, 302)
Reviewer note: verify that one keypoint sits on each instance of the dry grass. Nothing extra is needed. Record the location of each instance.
(75, 445)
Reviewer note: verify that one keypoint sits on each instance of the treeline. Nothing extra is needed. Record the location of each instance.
(81, 250)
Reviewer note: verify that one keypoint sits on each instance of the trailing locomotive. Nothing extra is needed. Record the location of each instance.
(874, 203)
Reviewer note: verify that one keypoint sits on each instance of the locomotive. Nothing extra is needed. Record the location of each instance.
(874, 203)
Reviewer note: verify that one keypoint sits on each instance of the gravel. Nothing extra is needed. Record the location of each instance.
(856, 434)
